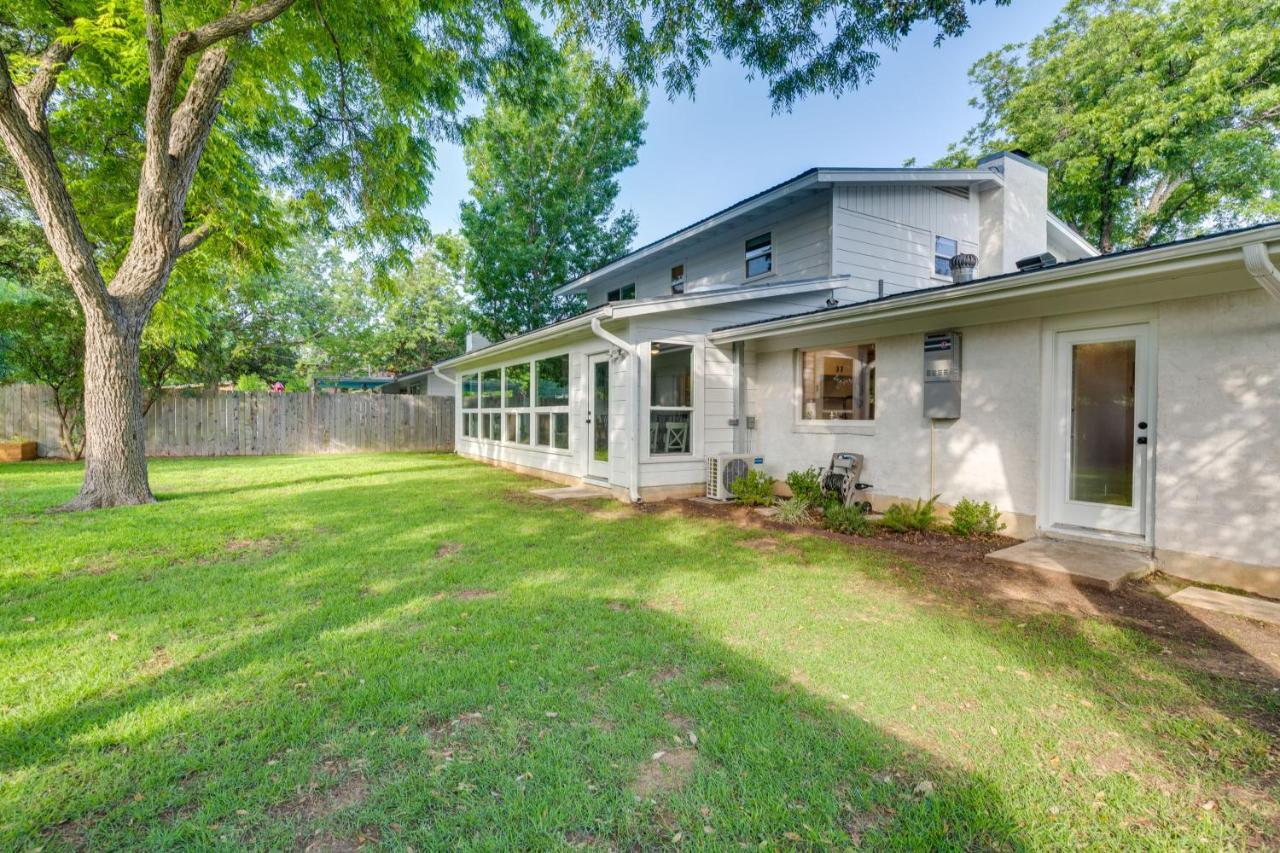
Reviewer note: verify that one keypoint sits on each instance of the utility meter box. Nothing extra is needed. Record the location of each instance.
(942, 375)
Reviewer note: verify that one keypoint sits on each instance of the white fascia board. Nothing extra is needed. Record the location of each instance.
(722, 296)
(1073, 237)
(1176, 258)
(555, 330)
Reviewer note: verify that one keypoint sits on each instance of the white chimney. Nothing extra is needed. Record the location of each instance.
(1013, 218)
(475, 340)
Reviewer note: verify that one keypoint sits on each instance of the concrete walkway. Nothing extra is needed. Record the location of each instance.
(1225, 602)
(1088, 565)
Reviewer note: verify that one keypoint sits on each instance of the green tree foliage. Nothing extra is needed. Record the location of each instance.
(1157, 118)
(543, 165)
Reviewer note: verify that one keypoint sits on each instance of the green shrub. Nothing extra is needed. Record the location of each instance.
(846, 519)
(794, 511)
(902, 518)
(970, 518)
(806, 486)
(251, 382)
(755, 488)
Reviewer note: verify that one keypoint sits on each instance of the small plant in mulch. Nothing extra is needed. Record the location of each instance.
(806, 486)
(850, 520)
(795, 511)
(755, 488)
(919, 517)
(970, 518)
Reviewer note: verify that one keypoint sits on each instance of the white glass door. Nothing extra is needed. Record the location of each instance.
(598, 416)
(1101, 429)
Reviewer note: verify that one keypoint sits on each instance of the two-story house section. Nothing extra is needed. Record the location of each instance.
(945, 325)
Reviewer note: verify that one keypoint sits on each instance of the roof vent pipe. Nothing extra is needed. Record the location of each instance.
(962, 267)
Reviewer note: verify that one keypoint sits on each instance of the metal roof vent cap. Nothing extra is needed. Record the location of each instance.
(962, 267)
(1036, 262)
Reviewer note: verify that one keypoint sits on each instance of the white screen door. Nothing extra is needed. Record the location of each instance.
(598, 416)
(1101, 434)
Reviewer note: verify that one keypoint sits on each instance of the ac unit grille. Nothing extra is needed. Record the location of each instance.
(723, 470)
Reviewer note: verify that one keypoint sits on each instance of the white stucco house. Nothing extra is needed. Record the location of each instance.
(1131, 398)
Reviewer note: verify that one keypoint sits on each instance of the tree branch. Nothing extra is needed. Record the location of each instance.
(35, 93)
(233, 24)
(194, 238)
(34, 158)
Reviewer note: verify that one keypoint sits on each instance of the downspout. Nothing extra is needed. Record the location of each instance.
(436, 372)
(1258, 263)
(633, 486)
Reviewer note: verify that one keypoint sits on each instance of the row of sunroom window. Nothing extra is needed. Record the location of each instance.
(525, 403)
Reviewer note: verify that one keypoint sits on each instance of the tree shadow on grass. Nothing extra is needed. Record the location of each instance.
(506, 721)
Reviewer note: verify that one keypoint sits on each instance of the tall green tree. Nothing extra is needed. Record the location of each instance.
(148, 130)
(1157, 118)
(544, 171)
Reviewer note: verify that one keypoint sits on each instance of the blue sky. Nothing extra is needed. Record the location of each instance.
(704, 154)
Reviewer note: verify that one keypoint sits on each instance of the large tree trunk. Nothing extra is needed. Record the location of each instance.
(115, 471)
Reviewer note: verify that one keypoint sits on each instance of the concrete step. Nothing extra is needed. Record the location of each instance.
(572, 493)
(1225, 602)
(1097, 566)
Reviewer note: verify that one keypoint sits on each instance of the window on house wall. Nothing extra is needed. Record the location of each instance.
(944, 249)
(839, 383)
(470, 391)
(515, 401)
(551, 398)
(491, 389)
(623, 293)
(760, 255)
(670, 399)
(677, 278)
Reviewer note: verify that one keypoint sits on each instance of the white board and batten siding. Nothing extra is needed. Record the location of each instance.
(887, 233)
(801, 235)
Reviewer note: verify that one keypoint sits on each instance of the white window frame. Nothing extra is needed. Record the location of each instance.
(469, 412)
(621, 291)
(800, 424)
(933, 271)
(511, 414)
(487, 413)
(682, 281)
(750, 254)
(694, 450)
(552, 411)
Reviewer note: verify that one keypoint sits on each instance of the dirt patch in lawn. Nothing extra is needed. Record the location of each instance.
(955, 573)
(472, 594)
(159, 662)
(666, 771)
(667, 673)
(321, 799)
(448, 549)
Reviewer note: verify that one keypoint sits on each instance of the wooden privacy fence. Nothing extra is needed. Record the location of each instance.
(256, 424)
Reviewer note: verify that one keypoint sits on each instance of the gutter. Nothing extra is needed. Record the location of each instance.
(633, 486)
(436, 371)
(1258, 262)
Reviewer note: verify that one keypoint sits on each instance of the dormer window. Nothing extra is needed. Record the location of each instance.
(760, 255)
(621, 293)
(944, 249)
(677, 278)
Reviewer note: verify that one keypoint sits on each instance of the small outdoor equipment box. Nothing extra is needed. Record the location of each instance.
(942, 375)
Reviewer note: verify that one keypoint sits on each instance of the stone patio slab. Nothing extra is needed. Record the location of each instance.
(1225, 602)
(1097, 566)
(572, 493)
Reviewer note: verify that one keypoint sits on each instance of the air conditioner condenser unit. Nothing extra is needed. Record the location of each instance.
(724, 469)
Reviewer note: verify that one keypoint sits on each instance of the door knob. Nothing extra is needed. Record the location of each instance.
(1142, 439)
(1142, 424)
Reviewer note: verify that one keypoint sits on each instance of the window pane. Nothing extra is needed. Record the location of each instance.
(509, 430)
(671, 375)
(491, 389)
(544, 430)
(484, 425)
(629, 292)
(839, 384)
(553, 381)
(517, 393)
(474, 421)
(470, 388)
(945, 246)
(760, 265)
(560, 430)
(466, 425)
(668, 432)
(495, 427)
(1102, 403)
(677, 274)
(522, 427)
(761, 242)
(941, 265)
(613, 295)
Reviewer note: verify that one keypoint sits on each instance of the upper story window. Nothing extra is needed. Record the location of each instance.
(677, 278)
(760, 254)
(944, 249)
(839, 383)
(621, 293)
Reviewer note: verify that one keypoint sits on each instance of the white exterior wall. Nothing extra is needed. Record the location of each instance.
(1218, 423)
(887, 232)
(801, 234)
(990, 453)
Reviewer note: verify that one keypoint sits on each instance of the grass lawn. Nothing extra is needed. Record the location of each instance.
(409, 651)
